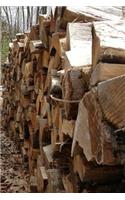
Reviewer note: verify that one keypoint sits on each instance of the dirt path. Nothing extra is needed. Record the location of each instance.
(13, 177)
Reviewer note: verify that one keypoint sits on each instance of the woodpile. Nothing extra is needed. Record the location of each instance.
(64, 101)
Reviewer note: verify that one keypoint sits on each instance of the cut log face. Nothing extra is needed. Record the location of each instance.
(109, 45)
(105, 71)
(111, 98)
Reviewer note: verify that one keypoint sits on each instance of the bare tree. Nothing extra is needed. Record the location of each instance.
(28, 16)
(23, 14)
(31, 16)
(21, 18)
(37, 14)
(5, 8)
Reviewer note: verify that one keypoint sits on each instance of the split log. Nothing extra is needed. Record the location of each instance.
(68, 127)
(44, 133)
(34, 33)
(111, 98)
(73, 89)
(108, 46)
(69, 182)
(77, 43)
(93, 173)
(105, 71)
(33, 184)
(92, 134)
(54, 181)
(48, 150)
(36, 46)
(42, 177)
(44, 26)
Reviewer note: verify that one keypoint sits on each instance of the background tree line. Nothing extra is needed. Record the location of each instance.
(19, 19)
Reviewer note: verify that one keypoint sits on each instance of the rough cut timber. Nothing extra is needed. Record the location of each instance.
(105, 71)
(108, 42)
(111, 96)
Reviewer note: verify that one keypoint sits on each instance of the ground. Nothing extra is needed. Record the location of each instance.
(13, 176)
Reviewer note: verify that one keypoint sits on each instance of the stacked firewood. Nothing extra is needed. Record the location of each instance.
(64, 102)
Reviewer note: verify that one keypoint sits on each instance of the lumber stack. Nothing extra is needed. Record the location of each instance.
(64, 101)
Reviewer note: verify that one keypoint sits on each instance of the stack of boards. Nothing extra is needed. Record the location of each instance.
(64, 100)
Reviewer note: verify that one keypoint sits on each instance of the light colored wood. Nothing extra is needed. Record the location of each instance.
(54, 181)
(42, 178)
(34, 32)
(48, 150)
(44, 132)
(33, 184)
(36, 46)
(69, 183)
(105, 71)
(73, 89)
(45, 59)
(43, 33)
(111, 98)
(108, 46)
(89, 172)
(68, 127)
(55, 43)
(28, 69)
(79, 44)
(91, 133)
(88, 14)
